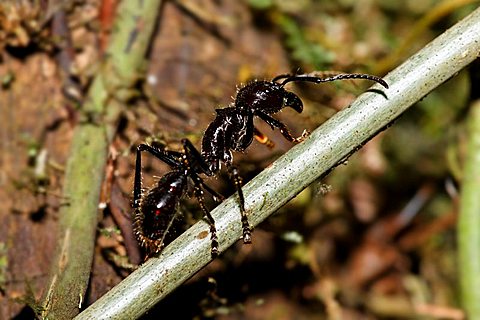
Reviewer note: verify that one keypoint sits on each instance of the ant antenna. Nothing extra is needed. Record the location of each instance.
(342, 76)
(281, 76)
(285, 75)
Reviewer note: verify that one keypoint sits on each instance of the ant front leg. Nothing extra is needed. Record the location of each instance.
(237, 181)
(274, 123)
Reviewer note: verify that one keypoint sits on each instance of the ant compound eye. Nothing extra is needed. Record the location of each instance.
(293, 101)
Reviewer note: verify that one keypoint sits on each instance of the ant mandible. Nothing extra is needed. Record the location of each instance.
(156, 209)
(233, 127)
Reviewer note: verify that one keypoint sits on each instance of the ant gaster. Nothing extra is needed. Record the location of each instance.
(156, 209)
(233, 128)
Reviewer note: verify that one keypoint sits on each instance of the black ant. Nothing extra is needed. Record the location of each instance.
(233, 127)
(156, 209)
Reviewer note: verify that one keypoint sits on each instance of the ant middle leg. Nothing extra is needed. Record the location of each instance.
(237, 181)
(263, 139)
(274, 123)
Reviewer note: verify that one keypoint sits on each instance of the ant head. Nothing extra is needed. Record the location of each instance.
(266, 96)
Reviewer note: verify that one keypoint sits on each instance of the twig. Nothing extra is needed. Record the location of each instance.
(118, 205)
(324, 149)
(70, 268)
(468, 231)
(432, 16)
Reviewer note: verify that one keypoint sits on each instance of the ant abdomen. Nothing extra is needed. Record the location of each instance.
(157, 210)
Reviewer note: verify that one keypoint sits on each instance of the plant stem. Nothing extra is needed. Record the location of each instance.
(469, 220)
(326, 147)
(70, 268)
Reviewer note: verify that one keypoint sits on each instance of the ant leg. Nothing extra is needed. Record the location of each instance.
(169, 157)
(211, 222)
(137, 182)
(217, 197)
(263, 139)
(237, 181)
(193, 153)
(274, 123)
(282, 76)
(138, 217)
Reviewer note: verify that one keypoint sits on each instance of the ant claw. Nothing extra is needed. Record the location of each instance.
(214, 252)
(247, 237)
(213, 239)
(304, 136)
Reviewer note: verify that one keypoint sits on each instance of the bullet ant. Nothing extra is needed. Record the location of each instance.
(232, 129)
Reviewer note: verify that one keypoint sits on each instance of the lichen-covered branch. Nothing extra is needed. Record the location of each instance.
(324, 149)
(121, 69)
